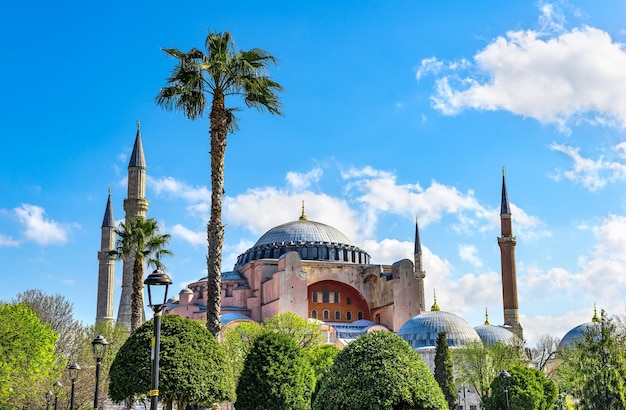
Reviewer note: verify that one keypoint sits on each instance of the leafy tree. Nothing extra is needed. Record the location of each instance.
(276, 375)
(27, 359)
(477, 365)
(443, 370)
(380, 371)
(593, 367)
(321, 359)
(199, 77)
(237, 343)
(58, 313)
(193, 368)
(306, 334)
(528, 389)
(139, 239)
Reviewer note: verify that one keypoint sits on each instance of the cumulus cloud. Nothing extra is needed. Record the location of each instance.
(591, 174)
(39, 229)
(6, 241)
(192, 237)
(551, 75)
(299, 181)
(468, 253)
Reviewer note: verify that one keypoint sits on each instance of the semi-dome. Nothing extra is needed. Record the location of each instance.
(491, 334)
(312, 240)
(422, 330)
(580, 330)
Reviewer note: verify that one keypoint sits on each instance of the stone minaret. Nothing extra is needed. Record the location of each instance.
(135, 205)
(507, 259)
(420, 273)
(106, 266)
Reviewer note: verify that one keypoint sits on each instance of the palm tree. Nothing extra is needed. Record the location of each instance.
(139, 239)
(221, 71)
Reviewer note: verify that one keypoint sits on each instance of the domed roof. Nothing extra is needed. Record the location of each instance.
(422, 330)
(491, 334)
(579, 331)
(229, 317)
(185, 291)
(303, 230)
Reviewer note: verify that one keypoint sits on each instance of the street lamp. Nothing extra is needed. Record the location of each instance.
(157, 282)
(99, 346)
(56, 387)
(73, 370)
(49, 395)
(505, 377)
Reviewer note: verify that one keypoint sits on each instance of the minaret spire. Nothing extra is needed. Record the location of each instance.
(507, 243)
(135, 206)
(420, 273)
(106, 266)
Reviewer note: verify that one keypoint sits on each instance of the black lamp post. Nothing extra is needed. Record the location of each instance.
(56, 386)
(505, 377)
(157, 282)
(73, 369)
(49, 395)
(99, 346)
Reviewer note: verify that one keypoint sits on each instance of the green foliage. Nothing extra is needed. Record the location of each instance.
(593, 368)
(237, 343)
(528, 389)
(193, 368)
(27, 359)
(321, 359)
(477, 365)
(443, 371)
(306, 334)
(379, 371)
(276, 375)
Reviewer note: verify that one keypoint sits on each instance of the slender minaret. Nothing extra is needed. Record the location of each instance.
(507, 259)
(106, 266)
(135, 205)
(420, 273)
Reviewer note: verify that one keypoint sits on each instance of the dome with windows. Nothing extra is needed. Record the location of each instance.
(423, 330)
(312, 240)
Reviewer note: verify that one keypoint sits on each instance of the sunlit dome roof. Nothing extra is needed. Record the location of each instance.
(229, 317)
(422, 330)
(579, 330)
(490, 334)
(303, 231)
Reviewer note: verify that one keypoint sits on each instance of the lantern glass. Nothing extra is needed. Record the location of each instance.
(99, 346)
(73, 369)
(157, 283)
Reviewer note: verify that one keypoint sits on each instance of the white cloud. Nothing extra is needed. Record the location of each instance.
(555, 79)
(299, 181)
(6, 241)
(192, 237)
(468, 253)
(39, 229)
(591, 174)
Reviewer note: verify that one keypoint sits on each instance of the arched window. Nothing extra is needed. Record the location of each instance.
(348, 300)
(336, 296)
(325, 295)
(348, 315)
(326, 315)
(314, 296)
(314, 314)
(359, 315)
(337, 315)
(378, 318)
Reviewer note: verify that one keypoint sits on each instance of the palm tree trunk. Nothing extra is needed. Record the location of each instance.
(137, 297)
(215, 229)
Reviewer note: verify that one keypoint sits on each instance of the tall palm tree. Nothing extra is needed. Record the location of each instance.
(221, 71)
(139, 238)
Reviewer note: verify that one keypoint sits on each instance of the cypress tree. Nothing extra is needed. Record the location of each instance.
(443, 370)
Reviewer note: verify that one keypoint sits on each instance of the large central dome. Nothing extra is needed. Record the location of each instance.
(312, 240)
(303, 231)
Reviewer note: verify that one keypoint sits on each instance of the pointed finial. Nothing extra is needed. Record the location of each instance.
(595, 318)
(435, 307)
(303, 216)
(109, 191)
(503, 170)
(487, 317)
(138, 125)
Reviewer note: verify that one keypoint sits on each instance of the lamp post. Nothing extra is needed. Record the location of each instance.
(157, 282)
(505, 377)
(49, 395)
(73, 370)
(56, 386)
(99, 346)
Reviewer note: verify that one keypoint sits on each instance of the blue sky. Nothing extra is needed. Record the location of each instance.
(391, 110)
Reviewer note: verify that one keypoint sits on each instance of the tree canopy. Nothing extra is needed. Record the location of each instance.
(306, 334)
(276, 375)
(527, 389)
(193, 368)
(443, 370)
(379, 371)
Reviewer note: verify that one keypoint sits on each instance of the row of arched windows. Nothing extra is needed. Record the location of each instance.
(326, 315)
(326, 296)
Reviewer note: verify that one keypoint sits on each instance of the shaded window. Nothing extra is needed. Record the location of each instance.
(326, 315)
(336, 296)
(314, 314)
(359, 315)
(325, 295)
(313, 253)
(324, 253)
(349, 316)
(348, 300)
(337, 315)
(314, 296)
(378, 318)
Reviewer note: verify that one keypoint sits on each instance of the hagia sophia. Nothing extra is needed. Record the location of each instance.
(315, 271)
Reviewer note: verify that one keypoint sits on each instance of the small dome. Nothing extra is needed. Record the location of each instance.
(422, 330)
(229, 317)
(490, 334)
(576, 333)
(185, 291)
